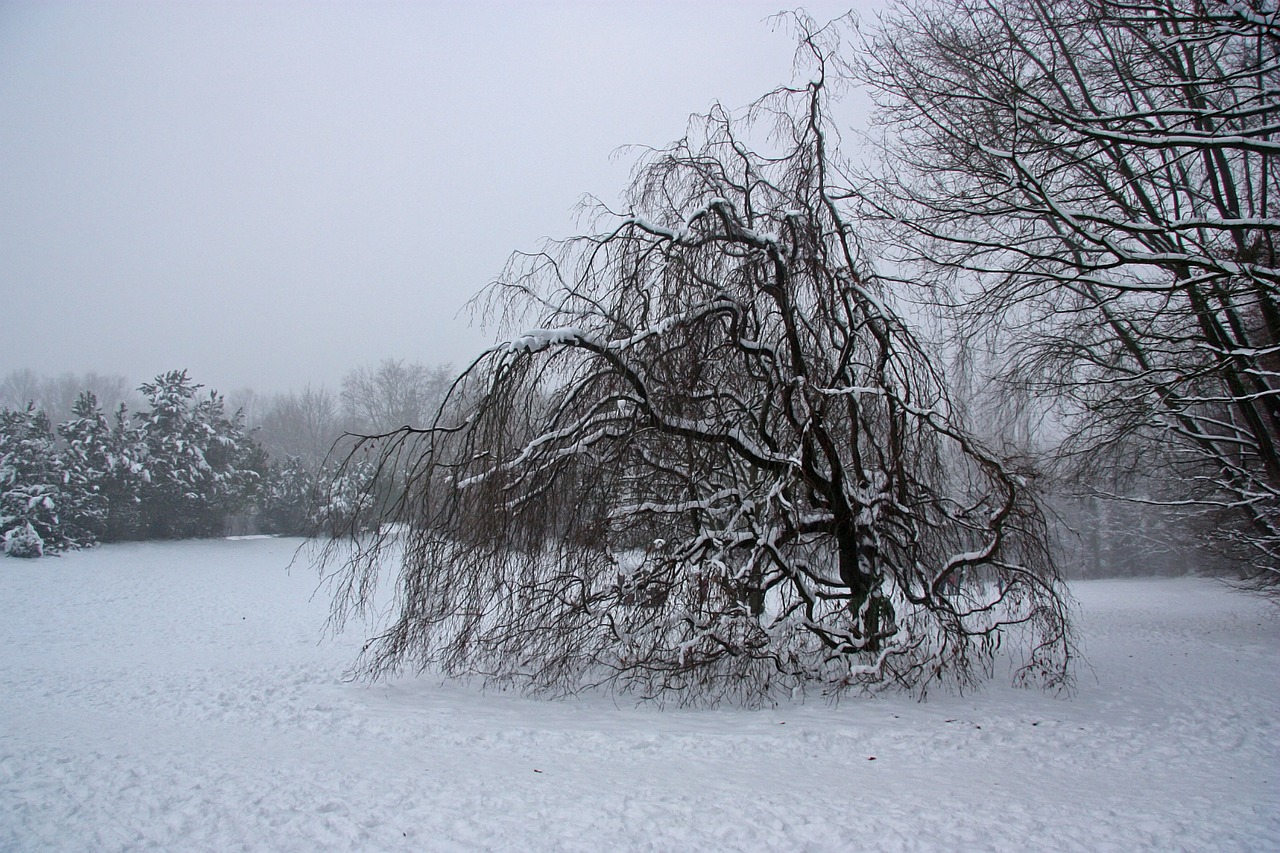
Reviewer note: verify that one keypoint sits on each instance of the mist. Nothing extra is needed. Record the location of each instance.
(270, 194)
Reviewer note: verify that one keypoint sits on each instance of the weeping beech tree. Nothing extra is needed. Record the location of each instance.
(718, 466)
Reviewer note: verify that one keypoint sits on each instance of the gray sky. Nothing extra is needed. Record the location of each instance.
(270, 194)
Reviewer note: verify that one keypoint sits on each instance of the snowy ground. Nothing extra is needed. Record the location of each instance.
(176, 697)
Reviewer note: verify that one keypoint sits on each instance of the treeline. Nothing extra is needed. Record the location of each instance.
(184, 464)
(167, 460)
(176, 469)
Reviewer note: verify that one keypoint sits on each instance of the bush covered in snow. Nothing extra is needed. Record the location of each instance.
(23, 542)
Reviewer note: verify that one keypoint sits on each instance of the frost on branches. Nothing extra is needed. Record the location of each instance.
(719, 467)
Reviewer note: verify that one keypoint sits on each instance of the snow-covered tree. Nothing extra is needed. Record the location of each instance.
(125, 476)
(288, 498)
(31, 485)
(355, 497)
(198, 466)
(89, 464)
(713, 462)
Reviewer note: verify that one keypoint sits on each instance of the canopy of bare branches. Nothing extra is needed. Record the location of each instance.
(1095, 180)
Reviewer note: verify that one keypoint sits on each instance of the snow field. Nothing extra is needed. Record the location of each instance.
(181, 696)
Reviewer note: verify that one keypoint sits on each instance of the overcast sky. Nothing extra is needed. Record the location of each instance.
(269, 194)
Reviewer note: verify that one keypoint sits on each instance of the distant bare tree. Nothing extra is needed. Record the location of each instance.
(56, 396)
(302, 426)
(21, 387)
(718, 466)
(393, 394)
(1097, 181)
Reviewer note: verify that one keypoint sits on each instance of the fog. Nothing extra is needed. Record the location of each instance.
(269, 194)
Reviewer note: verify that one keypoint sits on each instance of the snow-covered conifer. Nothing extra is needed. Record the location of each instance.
(87, 461)
(31, 485)
(198, 459)
(288, 499)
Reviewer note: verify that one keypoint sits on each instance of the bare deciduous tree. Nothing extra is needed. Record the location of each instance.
(302, 426)
(720, 465)
(1098, 179)
(56, 396)
(393, 394)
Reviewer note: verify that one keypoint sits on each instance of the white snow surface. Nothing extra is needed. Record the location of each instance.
(181, 696)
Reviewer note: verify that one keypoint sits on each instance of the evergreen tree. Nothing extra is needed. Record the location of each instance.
(31, 485)
(198, 460)
(87, 465)
(354, 497)
(126, 478)
(288, 499)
